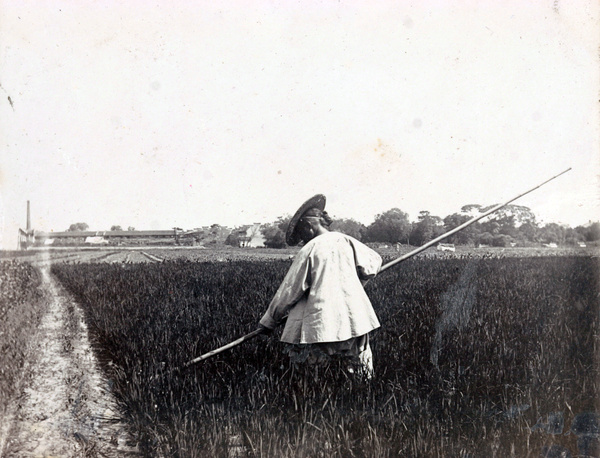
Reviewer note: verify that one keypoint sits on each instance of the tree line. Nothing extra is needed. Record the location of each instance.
(511, 225)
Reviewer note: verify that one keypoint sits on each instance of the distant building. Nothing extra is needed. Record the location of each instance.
(250, 236)
(257, 239)
(96, 240)
(446, 247)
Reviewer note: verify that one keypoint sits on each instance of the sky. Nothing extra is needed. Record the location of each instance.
(155, 114)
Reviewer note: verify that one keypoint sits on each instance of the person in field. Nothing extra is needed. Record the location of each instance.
(328, 312)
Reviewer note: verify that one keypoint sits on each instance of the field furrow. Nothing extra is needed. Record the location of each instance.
(65, 405)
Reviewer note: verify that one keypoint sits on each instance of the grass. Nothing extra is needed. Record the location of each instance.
(476, 357)
(22, 306)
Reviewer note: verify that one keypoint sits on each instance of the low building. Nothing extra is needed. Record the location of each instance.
(446, 247)
(96, 240)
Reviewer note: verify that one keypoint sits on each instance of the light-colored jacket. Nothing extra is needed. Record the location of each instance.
(322, 293)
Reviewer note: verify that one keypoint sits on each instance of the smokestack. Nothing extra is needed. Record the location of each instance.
(28, 218)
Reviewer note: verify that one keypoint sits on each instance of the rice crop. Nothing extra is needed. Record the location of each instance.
(21, 307)
(475, 357)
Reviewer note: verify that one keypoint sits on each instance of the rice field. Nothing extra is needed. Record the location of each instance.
(477, 356)
(22, 306)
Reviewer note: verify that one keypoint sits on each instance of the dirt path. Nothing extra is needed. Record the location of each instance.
(66, 408)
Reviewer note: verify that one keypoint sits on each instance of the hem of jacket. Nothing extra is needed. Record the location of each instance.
(301, 342)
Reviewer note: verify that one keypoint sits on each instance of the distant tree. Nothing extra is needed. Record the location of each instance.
(131, 228)
(78, 227)
(349, 227)
(593, 232)
(468, 236)
(274, 233)
(426, 228)
(391, 226)
(553, 233)
(485, 238)
(501, 240)
(582, 231)
(492, 226)
(504, 221)
(514, 215)
(509, 229)
(529, 232)
(471, 209)
(508, 219)
(572, 237)
(116, 228)
(589, 233)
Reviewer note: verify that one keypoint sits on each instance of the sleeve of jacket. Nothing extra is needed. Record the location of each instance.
(368, 262)
(295, 284)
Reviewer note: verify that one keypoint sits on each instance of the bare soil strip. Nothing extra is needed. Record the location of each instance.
(66, 407)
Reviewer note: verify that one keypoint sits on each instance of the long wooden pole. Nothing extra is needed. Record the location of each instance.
(224, 347)
(464, 225)
(384, 267)
(235, 343)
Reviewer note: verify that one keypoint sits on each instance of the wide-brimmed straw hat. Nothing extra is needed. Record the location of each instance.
(316, 201)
